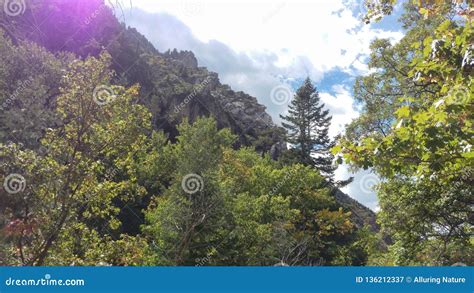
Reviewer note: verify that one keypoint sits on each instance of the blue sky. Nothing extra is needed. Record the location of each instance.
(258, 46)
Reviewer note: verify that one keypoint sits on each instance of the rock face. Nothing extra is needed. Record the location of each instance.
(187, 58)
(173, 86)
(182, 90)
(360, 214)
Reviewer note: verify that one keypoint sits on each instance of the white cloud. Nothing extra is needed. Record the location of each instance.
(316, 29)
(341, 108)
(257, 45)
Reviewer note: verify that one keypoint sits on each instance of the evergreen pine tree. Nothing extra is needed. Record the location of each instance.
(307, 125)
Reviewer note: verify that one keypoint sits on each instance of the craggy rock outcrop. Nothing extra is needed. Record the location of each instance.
(186, 57)
(173, 86)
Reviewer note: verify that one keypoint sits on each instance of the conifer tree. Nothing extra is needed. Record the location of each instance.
(307, 125)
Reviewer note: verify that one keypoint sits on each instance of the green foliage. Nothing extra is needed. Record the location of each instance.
(420, 141)
(244, 209)
(29, 82)
(191, 206)
(68, 202)
(377, 9)
(103, 188)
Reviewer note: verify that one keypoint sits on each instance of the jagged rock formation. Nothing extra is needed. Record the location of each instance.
(173, 86)
(186, 57)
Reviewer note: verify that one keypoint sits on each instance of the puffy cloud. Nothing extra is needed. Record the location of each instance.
(320, 30)
(341, 108)
(263, 47)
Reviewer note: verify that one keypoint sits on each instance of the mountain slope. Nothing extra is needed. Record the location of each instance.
(360, 214)
(173, 86)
